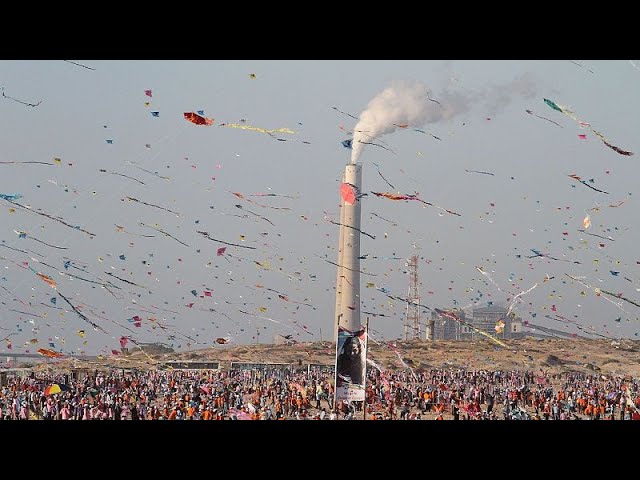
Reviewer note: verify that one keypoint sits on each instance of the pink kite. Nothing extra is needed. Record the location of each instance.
(221, 251)
(347, 193)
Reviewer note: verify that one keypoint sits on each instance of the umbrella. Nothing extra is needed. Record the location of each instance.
(56, 388)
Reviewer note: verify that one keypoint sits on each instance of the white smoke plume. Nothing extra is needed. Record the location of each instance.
(410, 104)
(403, 103)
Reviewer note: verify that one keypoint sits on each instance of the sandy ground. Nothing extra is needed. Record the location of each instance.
(552, 355)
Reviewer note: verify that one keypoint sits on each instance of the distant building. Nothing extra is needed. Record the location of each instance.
(448, 329)
(482, 318)
(282, 340)
(152, 348)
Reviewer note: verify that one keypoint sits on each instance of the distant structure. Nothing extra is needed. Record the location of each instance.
(149, 348)
(412, 325)
(482, 318)
(282, 340)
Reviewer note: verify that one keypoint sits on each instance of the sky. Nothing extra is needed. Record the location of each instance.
(134, 182)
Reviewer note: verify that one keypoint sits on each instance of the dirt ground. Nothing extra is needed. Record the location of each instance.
(551, 355)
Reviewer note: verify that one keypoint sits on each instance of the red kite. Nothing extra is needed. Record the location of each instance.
(348, 195)
(49, 353)
(198, 119)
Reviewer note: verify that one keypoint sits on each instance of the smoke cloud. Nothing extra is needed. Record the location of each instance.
(410, 104)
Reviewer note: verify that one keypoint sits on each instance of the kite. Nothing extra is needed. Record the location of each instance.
(253, 213)
(79, 65)
(221, 251)
(499, 327)
(242, 197)
(577, 178)
(599, 292)
(544, 255)
(164, 233)
(619, 295)
(573, 116)
(102, 170)
(14, 162)
(49, 353)
(256, 129)
(10, 197)
(426, 133)
(155, 114)
(222, 341)
(543, 118)
(593, 234)
(206, 234)
(354, 228)
(148, 171)
(347, 191)
(24, 235)
(433, 100)
(347, 143)
(198, 119)
(132, 199)
(52, 218)
(252, 76)
(376, 145)
(617, 149)
(124, 280)
(382, 176)
(581, 66)
(20, 101)
(48, 280)
(393, 196)
(345, 113)
(347, 268)
(385, 219)
(148, 93)
(478, 171)
(272, 195)
(122, 229)
(586, 223)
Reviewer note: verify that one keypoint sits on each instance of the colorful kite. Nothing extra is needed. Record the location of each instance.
(10, 197)
(573, 116)
(197, 119)
(256, 129)
(393, 196)
(49, 353)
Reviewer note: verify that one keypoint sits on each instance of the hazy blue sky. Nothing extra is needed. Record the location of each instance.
(529, 203)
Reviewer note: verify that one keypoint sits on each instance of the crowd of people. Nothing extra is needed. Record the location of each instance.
(308, 394)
